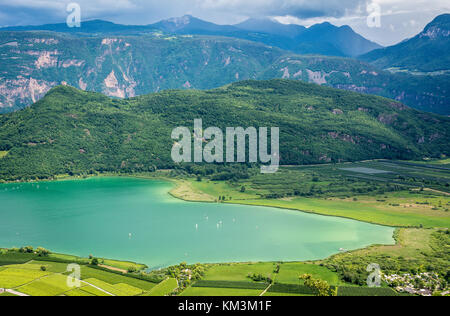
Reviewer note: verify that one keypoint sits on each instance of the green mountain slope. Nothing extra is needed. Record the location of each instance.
(426, 52)
(72, 131)
(31, 63)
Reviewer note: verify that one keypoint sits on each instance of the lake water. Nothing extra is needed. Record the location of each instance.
(136, 219)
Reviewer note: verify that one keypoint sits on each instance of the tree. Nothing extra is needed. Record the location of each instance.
(95, 262)
(243, 189)
(322, 288)
(27, 249)
(42, 252)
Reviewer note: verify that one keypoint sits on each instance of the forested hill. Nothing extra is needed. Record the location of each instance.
(71, 131)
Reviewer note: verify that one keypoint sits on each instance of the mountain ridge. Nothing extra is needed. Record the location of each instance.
(425, 52)
(126, 66)
(270, 26)
(190, 25)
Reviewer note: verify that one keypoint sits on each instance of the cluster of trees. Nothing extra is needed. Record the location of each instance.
(258, 277)
(217, 172)
(186, 274)
(322, 288)
(41, 252)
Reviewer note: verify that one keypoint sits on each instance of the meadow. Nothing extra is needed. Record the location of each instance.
(382, 192)
(41, 276)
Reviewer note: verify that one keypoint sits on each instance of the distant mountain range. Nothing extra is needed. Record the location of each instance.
(71, 131)
(427, 52)
(323, 39)
(187, 53)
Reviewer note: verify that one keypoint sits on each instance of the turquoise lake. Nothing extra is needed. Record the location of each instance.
(137, 220)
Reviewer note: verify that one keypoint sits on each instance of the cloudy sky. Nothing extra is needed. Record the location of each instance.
(400, 19)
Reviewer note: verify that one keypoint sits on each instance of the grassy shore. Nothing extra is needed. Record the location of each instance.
(399, 209)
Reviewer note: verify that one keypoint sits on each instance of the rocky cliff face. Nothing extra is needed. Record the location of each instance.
(123, 67)
(33, 63)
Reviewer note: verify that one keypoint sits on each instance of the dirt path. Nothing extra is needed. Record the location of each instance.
(432, 190)
(16, 293)
(96, 287)
(114, 269)
(265, 291)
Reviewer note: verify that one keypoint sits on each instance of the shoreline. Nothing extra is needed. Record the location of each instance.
(180, 183)
(188, 194)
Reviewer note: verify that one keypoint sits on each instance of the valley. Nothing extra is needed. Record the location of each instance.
(119, 142)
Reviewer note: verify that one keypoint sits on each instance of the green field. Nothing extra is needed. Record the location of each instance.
(123, 265)
(204, 291)
(362, 291)
(290, 272)
(119, 289)
(13, 277)
(40, 276)
(441, 162)
(94, 291)
(238, 272)
(272, 294)
(8, 258)
(52, 285)
(78, 292)
(7, 294)
(367, 210)
(164, 288)
(113, 278)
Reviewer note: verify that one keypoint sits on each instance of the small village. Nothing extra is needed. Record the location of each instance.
(423, 284)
